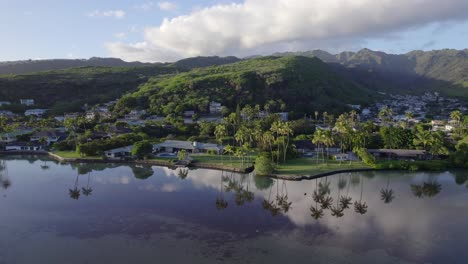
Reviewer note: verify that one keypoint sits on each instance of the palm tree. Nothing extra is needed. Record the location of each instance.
(409, 115)
(316, 116)
(286, 131)
(387, 194)
(360, 207)
(268, 139)
(87, 191)
(386, 114)
(456, 115)
(318, 140)
(423, 137)
(328, 140)
(220, 133)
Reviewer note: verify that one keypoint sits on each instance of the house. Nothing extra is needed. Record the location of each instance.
(27, 102)
(71, 115)
(119, 153)
(50, 136)
(23, 146)
(135, 114)
(341, 156)
(12, 136)
(215, 107)
(283, 115)
(2, 103)
(173, 146)
(35, 112)
(6, 113)
(189, 113)
(398, 153)
(101, 112)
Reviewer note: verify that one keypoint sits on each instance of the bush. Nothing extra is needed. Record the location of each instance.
(365, 156)
(263, 165)
(142, 149)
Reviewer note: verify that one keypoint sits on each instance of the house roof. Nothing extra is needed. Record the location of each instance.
(49, 134)
(122, 149)
(179, 144)
(17, 133)
(23, 144)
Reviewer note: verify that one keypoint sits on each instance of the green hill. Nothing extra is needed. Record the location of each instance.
(200, 62)
(68, 90)
(303, 84)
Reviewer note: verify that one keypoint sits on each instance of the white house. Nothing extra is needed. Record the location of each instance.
(191, 147)
(27, 102)
(23, 146)
(119, 153)
(341, 156)
(283, 115)
(215, 107)
(35, 112)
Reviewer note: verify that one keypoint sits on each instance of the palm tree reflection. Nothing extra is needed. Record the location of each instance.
(360, 206)
(428, 189)
(75, 192)
(221, 203)
(4, 180)
(87, 191)
(316, 212)
(387, 194)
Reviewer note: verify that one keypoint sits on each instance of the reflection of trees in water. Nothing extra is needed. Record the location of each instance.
(142, 171)
(461, 177)
(316, 212)
(280, 204)
(240, 188)
(427, 189)
(221, 203)
(4, 179)
(45, 166)
(262, 182)
(360, 206)
(324, 190)
(183, 173)
(337, 209)
(87, 191)
(387, 194)
(345, 200)
(75, 192)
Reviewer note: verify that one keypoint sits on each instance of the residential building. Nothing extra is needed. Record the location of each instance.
(35, 112)
(27, 102)
(215, 107)
(119, 153)
(23, 146)
(2, 103)
(189, 113)
(12, 136)
(284, 116)
(50, 136)
(398, 153)
(173, 146)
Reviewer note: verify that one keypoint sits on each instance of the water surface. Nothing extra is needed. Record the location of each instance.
(98, 213)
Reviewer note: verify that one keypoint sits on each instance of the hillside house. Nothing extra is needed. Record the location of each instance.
(27, 102)
(50, 136)
(215, 107)
(35, 112)
(12, 136)
(119, 153)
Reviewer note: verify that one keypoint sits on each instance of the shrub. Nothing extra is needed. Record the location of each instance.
(263, 165)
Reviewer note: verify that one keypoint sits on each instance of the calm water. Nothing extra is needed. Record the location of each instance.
(95, 213)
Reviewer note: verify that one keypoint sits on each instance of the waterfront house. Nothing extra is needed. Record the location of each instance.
(35, 112)
(12, 136)
(23, 146)
(27, 102)
(173, 146)
(341, 156)
(50, 136)
(119, 153)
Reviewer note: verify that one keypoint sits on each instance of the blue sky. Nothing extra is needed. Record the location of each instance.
(134, 30)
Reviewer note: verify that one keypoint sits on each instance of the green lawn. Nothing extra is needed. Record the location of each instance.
(309, 166)
(222, 160)
(73, 155)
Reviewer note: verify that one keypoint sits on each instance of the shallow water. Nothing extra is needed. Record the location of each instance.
(96, 213)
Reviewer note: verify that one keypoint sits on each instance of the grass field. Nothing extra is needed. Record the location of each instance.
(73, 155)
(310, 166)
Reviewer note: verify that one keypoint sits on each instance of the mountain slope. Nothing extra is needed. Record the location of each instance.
(200, 62)
(67, 90)
(303, 84)
(30, 66)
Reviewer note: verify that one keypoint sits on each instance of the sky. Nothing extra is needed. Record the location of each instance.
(161, 31)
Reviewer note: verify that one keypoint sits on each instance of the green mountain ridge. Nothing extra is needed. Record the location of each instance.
(303, 84)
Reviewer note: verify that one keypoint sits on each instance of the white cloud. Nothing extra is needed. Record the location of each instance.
(147, 6)
(260, 26)
(167, 6)
(120, 35)
(119, 14)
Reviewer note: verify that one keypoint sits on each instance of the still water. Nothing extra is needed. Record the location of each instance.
(96, 213)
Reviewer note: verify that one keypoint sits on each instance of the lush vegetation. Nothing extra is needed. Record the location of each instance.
(68, 90)
(303, 84)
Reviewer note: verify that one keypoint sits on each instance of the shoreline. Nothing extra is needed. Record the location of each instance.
(137, 162)
(192, 165)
